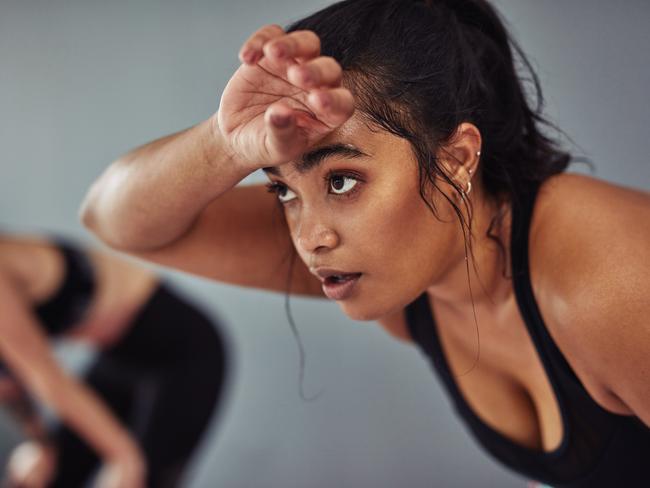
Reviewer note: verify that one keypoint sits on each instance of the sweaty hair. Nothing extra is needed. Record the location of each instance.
(418, 69)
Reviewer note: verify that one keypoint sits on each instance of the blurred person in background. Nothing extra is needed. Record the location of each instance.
(157, 381)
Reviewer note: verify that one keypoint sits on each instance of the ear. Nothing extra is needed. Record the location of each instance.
(460, 156)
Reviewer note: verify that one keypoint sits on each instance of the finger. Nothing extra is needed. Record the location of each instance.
(251, 50)
(302, 44)
(322, 71)
(333, 106)
(34, 480)
(281, 131)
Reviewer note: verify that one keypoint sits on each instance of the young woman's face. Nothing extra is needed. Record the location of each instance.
(353, 207)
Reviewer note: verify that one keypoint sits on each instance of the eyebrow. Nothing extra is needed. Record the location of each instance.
(312, 159)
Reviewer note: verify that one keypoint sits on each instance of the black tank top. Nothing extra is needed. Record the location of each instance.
(599, 448)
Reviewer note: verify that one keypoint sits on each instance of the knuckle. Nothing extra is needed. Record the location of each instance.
(267, 32)
(291, 43)
(313, 38)
(273, 29)
(310, 38)
(332, 65)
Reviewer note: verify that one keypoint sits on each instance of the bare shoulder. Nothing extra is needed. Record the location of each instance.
(587, 228)
(580, 195)
(589, 254)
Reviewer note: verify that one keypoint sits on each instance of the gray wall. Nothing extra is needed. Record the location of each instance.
(82, 82)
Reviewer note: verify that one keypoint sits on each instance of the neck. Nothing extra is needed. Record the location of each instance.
(478, 280)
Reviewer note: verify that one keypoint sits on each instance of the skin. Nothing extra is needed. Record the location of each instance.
(284, 103)
(31, 271)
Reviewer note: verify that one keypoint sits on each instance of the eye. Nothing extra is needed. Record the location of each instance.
(340, 184)
(282, 191)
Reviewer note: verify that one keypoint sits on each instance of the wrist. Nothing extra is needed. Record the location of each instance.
(123, 451)
(222, 151)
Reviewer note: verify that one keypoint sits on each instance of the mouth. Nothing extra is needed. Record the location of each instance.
(340, 278)
(338, 285)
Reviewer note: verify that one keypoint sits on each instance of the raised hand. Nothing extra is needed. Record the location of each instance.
(283, 99)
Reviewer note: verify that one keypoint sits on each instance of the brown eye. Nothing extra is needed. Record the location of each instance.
(285, 195)
(341, 184)
(281, 191)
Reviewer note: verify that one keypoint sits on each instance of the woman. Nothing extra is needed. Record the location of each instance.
(415, 182)
(132, 411)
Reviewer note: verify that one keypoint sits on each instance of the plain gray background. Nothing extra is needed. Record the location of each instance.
(84, 81)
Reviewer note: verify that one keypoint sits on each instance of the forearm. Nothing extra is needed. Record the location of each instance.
(83, 412)
(152, 195)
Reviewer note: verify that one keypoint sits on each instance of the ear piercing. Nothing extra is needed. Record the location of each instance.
(468, 190)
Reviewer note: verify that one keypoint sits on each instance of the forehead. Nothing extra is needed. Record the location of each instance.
(355, 139)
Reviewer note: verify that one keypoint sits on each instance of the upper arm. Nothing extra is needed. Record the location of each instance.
(592, 283)
(23, 346)
(240, 238)
(611, 339)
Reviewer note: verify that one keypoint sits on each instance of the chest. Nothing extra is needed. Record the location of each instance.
(499, 374)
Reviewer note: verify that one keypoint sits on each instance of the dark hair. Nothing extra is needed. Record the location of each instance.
(418, 69)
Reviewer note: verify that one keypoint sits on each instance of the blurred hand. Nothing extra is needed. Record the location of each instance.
(128, 472)
(284, 98)
(31, 465)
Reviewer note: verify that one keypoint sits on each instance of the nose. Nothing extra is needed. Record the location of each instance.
(316, 237)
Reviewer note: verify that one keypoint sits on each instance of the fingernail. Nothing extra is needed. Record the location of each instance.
(247, 56)
(280, 120)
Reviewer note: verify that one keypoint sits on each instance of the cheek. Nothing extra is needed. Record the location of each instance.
(405, 249)
(398, 230)
(292, 220)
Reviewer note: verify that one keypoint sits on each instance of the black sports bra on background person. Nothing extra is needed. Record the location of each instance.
(599, 448)
(67, 306)
(69, 303)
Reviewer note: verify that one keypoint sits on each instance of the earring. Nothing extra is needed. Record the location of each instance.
(468, 190)
(478, 153)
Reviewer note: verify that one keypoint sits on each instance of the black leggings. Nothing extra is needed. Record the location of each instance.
(163, 380)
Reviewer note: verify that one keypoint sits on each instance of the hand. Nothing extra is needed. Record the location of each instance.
(283, 99)
(128, 472)
(31, 465)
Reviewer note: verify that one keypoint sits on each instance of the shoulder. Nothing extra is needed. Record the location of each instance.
(585, 229)
(589, 255)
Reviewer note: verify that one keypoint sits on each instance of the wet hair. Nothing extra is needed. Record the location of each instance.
(418, 69)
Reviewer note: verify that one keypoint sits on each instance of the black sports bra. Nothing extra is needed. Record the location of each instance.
(598, 449)
(70, 302)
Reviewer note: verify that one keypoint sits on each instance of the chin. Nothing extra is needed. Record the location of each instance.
(362, 312)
